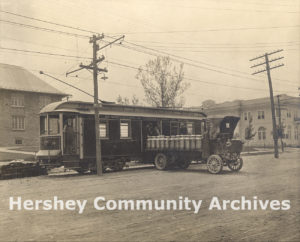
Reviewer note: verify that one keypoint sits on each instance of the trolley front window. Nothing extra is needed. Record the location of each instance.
(53, 124)
(125, 129)
(43, 125)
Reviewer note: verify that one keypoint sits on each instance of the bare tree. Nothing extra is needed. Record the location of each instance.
(163, 83)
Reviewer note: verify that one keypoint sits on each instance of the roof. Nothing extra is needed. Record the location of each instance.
(19, 79)
(121, 110)
(284, 99)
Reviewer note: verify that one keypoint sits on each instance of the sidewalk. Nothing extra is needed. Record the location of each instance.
(12, 150)
(263, 151)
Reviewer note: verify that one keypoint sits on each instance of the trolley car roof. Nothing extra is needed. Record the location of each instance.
(87, 108)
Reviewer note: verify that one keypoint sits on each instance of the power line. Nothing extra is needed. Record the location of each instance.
(209, 30)
(44, 53)
(195, 80)
(145, 48)
(48, 22)
(191, 79)
(215, 44)
(43, 29)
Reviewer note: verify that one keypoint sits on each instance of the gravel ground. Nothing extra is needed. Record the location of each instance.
(262, 176)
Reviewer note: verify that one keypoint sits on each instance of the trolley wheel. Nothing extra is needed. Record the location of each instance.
(184, 164)
(214, 164)
(161, 161)
(236, 165)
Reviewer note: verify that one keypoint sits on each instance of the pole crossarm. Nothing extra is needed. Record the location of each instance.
(271, 53)
(70, 72)
(254, 73)
(121, 38)
(263, 63)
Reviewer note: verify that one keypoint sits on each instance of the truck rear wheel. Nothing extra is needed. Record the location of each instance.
(214, 164)
(236, 165)
(161, 161)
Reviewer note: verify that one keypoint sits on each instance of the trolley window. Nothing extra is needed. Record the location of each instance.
(103, 129)
(190, 128)
(125, 129)
(174, 128)
(43, 125)
(53, 124)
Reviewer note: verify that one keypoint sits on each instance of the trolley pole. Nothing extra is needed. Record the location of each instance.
(267, 69)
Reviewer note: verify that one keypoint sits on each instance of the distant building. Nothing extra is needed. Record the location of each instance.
(259, 111)
(22, 95)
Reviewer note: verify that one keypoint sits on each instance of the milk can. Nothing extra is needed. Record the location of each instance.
(167, 142)
(161, 142)
(187, 140)
(198, 141)
(172, 142)
(149, 143)
(181, 142)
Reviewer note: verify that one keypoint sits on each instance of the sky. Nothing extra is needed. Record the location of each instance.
(215, 39)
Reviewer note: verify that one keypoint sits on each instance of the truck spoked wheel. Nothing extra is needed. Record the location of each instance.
(214, 164)
(236, 165)
(161, 161)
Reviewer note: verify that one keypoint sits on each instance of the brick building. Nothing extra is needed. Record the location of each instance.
(259, 111)
(22, 95)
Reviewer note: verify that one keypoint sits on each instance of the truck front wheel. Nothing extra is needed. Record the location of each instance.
(214, 164)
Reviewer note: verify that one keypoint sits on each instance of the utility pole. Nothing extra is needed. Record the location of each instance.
(267, 69)
(280, 124)
(93, 66)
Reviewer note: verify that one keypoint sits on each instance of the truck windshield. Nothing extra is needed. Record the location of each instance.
(54, 124)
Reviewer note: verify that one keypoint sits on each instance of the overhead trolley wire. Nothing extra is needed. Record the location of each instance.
(141, 46)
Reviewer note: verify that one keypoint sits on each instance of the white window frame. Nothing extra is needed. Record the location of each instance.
(262, 134)
(128, 121)
(261, 115)
(104, 122)
(17, 100)
(193, 127)
(17, 122)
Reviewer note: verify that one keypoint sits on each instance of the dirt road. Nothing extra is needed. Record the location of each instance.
(261, 176)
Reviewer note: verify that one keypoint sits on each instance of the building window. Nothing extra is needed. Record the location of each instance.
(18, 122)
(289, 132)
(262, 133)
(288, 114)
(125, 129)
(103, 129)
(18, 141)
(17, 100)
(44, 100)
(261, 115)
(247, 115)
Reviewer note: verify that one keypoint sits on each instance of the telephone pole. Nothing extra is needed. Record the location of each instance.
(94, 67)
(267, 69)
(280, 124)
